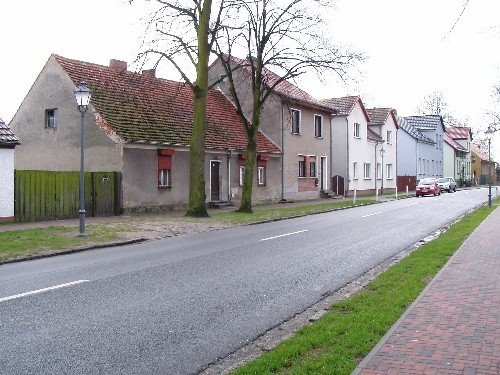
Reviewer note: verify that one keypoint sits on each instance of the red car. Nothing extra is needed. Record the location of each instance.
(428, 186)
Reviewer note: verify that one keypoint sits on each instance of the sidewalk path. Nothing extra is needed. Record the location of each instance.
(454, 326)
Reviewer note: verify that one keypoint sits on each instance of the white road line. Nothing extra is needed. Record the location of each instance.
(42, 290)
(413, 204)
(376, 213)
(283, 235)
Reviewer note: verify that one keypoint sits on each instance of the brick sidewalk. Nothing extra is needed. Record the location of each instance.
(454, 326)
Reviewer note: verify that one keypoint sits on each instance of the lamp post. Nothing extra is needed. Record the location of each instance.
(382, 152)
(489, 135)
(82, 96)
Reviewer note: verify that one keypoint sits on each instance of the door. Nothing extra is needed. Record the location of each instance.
(214, 180)
(323, 176)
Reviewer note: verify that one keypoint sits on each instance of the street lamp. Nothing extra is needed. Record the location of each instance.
(489, 135)
(382, 152)
(82, 96)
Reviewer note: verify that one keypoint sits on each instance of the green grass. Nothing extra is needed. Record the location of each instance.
(341, 338)
(23, 243)
(265, 214)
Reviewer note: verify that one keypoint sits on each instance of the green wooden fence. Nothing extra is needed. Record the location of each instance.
(44, 195)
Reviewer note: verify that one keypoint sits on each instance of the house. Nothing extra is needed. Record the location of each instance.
(453, 156)
(139, 127)
(296, 122)
(480, 165)
(355, 145)
(420, 148)
(462, 136)
(8, 142)
(384, 122)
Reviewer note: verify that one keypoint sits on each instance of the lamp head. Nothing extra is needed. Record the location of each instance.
(82, 95)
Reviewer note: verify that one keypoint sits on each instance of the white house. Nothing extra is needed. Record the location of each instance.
(454, 153)
(8, 142)
(462, 163)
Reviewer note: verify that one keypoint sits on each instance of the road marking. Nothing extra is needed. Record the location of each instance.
(42, 290)
(283, 235)
(413, 204)
(376, 213)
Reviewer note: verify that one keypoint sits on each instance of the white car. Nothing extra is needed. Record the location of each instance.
(447, 183)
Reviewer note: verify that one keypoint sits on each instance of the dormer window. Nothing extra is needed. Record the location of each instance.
(51, 118)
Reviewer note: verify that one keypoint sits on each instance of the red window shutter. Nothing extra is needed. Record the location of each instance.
(164, 162)
(166, 152)
(241, 160)
(262, 160)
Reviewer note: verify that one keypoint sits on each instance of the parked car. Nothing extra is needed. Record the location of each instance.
(447, 183)
(428, 186)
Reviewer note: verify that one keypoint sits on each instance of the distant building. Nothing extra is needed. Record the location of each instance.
(8, 141)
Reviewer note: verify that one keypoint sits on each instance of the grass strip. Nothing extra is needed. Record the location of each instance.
(21, 243)
(337, 342)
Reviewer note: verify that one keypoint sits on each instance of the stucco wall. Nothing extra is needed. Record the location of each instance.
(58, 149)
(390, 155)
(6, 183)
(449, 161)
(465, 143)
(432, 153)
(407, 154)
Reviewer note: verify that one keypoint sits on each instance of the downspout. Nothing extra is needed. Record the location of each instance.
(376, 170)
(347, 156)
(330, 174)
(229, 195)
(282, 155)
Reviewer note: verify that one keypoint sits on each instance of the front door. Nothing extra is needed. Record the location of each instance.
(214, 180)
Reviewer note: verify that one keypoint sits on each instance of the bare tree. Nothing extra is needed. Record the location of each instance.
(281, 35)
(180, 32)
(435, 104)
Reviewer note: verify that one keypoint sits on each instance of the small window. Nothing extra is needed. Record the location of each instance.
(318, 126)
(355, 170)
(261, 174)
(242, 174)
(389, 171)
(366, 170)
(51, 118)
(356, 130)
(389, 136)
(295, 121)
(164, 179)
(312, 169)
(302, 168)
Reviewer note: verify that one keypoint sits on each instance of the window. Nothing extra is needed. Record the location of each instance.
(366, 170)
(295, 121)
(437, 141)
(302, 168)
(389, 136)
(318, 126)
(356, 130)
(379, 171)
(165, 168)
(261, 174)
(389, 171)
(164, 179)
(312, 169)
(51, 118)
(355, 170)
(242, 174)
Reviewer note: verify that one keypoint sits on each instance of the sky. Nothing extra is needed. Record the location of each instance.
(412, 49)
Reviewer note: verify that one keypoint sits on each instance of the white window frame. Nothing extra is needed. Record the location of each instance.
(355, 170)
(292, 111)
(367, 171)
(389, 137)
(315, 168)
(261, 176)
(165, 179)
(357, 130)
(320, 135)
(388, 170)
(242, 174)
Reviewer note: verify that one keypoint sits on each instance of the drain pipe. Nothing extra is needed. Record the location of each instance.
(346, 183)
(229, 194)
(282, 154)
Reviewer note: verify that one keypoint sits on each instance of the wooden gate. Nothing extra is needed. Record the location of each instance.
(404, 181)
(44, 195)
(338, 185)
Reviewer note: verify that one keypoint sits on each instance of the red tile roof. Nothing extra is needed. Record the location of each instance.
(372, 136)
(7, 138)
(145, 109)
(457, 146)
(379, 116)
(457, 132)
(482, 155)
(285, 88)
(345, 105)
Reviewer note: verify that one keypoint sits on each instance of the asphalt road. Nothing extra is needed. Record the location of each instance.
(175, 305)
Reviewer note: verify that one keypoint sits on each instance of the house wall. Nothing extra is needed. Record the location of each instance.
(6, 184)
(449, 161)
(407, 154)
(340, 140)
(467, 159)
(476, 167)
(390, 155)
(432, 153)
(58, 149)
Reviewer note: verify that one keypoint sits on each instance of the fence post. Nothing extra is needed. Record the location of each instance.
(407, 191)
(396, 192)
(354, 197)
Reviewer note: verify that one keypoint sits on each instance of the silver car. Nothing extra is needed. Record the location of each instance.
(447, 183)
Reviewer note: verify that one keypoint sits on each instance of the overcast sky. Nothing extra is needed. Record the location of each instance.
(412, 49)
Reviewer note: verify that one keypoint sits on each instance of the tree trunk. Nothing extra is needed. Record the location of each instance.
(250, 157)
(196, 207)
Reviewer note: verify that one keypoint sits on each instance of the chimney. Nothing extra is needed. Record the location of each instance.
(149, 73)
(118, 65)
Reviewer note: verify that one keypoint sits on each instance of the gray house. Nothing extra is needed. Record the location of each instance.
(420, 149)
(138, 128)
(8, 141)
